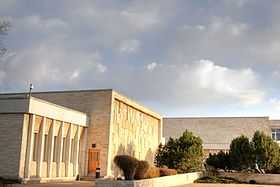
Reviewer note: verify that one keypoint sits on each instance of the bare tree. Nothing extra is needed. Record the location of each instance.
(4, 27)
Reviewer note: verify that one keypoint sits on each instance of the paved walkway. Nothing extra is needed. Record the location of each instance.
(64, 184)
(91, 184)
(227, 185)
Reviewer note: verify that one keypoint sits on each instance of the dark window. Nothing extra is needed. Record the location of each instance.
(35, 147)
(64, 149)
(55, 149)
(46, 147)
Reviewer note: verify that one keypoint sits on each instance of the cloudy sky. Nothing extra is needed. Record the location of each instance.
(180, 58)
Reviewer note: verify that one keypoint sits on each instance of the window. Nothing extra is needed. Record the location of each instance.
(46, 147)
(35, 147)
(55, 149)
(64, 149)
(276, 134)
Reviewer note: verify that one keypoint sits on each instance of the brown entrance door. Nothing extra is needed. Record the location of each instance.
(93, 160)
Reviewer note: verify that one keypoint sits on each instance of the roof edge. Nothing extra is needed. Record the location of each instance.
(58, 91)
(135, 104)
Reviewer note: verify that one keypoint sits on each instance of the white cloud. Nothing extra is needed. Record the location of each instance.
(275, 103)
(101, 67)
(227, 26)
(221, 82)
(151, 66)
(129, 46)
(200, 27)
(141, 20)
(75, 75)
(50, 65)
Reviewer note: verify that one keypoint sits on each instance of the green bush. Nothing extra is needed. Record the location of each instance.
(220, 160)
(141, 169)
(127, 164)
(266, 152)
(183, 154)
(241, 153)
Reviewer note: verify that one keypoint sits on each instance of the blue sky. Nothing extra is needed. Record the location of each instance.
(180, 58)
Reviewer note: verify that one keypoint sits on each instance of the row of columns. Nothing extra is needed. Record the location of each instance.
(50, 151)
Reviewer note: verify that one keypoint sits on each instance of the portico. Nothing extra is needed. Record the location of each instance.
(52, 139)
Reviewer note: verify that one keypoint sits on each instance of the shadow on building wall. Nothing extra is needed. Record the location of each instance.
(150, 156)
(122, 150)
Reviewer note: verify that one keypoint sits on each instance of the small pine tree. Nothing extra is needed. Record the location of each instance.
(266, 151)
(220, 160)
(184, 154)
(241, 153)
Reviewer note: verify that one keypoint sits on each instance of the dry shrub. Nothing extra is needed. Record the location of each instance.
(141, 169)
(152, 172)
(127, 164)
(167, 172)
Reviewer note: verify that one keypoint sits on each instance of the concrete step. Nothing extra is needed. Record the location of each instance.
(88, 178)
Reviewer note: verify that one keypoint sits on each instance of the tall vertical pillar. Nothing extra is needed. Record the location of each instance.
(69, 151)
(59, 150)
(30, 142)
(41, 147)
(85, 152)
(76, 151)
(51, 149)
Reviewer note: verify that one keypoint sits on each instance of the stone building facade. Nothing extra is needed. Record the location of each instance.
(40, 140)
(218, 132)
(114, 125)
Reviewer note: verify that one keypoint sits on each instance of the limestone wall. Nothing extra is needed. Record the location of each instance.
(133, 132)
(216, 132)
(10, 144)
(274, 124)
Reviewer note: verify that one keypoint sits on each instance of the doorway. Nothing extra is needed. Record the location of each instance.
(93, 160)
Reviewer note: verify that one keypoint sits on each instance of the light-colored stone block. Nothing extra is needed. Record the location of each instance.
(168, 181)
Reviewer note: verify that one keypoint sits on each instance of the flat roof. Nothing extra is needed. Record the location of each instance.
(56, 91)
(115, 94)
(41, 107)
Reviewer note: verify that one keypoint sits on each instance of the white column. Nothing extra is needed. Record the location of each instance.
(59, 150)
(30, 142)
(68, 153)
(85, 151)
(51, 149)
(41, 147)
(76, 151)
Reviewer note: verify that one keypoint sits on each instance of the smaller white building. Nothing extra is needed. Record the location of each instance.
(40, 140)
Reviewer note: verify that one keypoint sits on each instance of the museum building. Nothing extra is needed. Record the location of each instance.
(64, 134)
